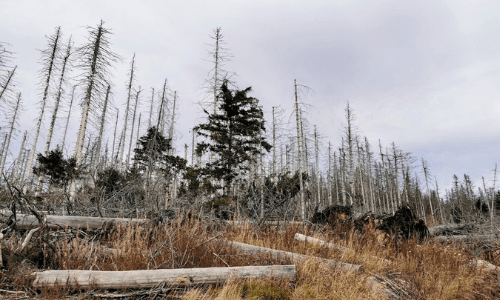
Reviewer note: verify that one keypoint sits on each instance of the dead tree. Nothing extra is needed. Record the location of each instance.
(127, 109)
(96, 58)
(69, 116)
(12, 124)
(49, 65)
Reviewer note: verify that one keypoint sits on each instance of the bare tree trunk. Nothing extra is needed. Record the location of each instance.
(161, 114)
(113, 158)
(172, 123)
(424, 166)
(261, 185)
(330, 200)
(369, 172)
(336, 178)
(67, 119)
(127, 109)
(132, 128)
(49, 56)
(396, 172)
(342, 174)
(97, 153)
(7, 82)
(96, 58)
(439, 199)
(192, 148)
(150, 120)
(274, 146)
(317, 165)
(3, 159)
(4, 149)
(360, 168)
(350, 146)
(299, 145)
(15, 178)
(137, 136)
(25, 166)
(62, 79)
(493, 194)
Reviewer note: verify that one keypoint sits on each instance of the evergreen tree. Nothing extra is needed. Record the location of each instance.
(235, 134)
(152, 154)
(56, 167)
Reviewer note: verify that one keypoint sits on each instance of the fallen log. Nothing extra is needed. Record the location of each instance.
(151, 278)
(455, 229)
(305, 238)
(465, 238)
(342, 249)
(294, 257)
(77, 222)
(486, 266)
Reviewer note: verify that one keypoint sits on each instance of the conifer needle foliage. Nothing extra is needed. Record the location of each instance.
(234, 132)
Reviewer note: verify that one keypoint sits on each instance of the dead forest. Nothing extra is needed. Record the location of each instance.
(251, 209)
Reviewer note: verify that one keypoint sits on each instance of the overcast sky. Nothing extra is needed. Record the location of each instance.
(422, 74)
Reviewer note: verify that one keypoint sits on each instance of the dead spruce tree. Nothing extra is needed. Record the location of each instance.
(12, 124)
(95, 60)
(299, 154)
(63, 142)
(66, 65)
(6, 75)
(127, 109)
(132, 127)
(102, 124)
(49, 65)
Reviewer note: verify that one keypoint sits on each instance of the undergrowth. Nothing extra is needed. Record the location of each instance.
(417, 271)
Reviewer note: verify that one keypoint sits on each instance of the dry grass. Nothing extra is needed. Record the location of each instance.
(428, 271)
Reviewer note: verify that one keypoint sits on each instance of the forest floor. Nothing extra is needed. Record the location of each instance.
(444, 266)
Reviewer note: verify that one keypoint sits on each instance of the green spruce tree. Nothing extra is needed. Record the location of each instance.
(234, 134)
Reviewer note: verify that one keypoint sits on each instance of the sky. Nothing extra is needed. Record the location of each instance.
(422, 74)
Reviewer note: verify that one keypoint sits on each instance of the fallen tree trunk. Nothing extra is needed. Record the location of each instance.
(305, 238)
(342, 249)
(58, 222)
(465, 238)
(294, 257)
(151, 278)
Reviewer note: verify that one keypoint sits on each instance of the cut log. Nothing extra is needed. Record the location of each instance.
(342, 249)
(58, 222)
(151, 278)
(294, 257)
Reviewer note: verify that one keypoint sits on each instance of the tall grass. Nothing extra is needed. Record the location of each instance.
(430, 270)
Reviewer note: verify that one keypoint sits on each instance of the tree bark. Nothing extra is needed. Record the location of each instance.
(294, 257)
(299, 146)
(59, 222)
(150, 278)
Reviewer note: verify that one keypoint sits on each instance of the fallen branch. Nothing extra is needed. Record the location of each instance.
(294, 257)
(342, 249)
(27, 239)
(151, 278)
